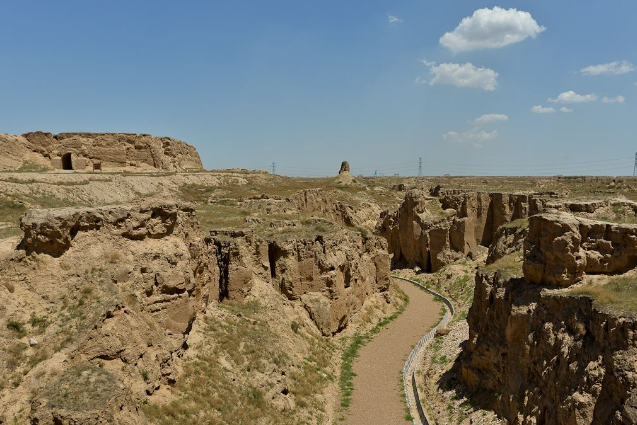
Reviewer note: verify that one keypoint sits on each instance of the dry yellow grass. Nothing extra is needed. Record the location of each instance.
(617, 294)
(510, 265)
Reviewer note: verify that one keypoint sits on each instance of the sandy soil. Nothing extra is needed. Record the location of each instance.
(378, 395)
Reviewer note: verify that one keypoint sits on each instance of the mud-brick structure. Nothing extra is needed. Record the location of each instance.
(115, 151)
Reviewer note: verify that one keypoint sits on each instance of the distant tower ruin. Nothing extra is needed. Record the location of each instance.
(344, 167)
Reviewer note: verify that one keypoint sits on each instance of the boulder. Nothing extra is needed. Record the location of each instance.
(560, 248)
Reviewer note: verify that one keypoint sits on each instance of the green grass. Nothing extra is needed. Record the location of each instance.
(617, 294)
(17, 327)
(619, 214)
(510, 265)
(520, 224)
(30, 167)
(217, 385)
(82, 387)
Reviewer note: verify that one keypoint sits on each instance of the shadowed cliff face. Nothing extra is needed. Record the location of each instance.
(469, 222)
(330, 275)
(540, 354)
(537, 356)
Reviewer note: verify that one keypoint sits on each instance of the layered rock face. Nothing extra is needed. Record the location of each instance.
(322, 202)
(535, 356)
(560, 248)
(509, 238)
(131, 281)
(331, 275)
(113, 150)
(417, 238)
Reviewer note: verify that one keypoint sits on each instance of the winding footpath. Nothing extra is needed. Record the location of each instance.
(378, 396)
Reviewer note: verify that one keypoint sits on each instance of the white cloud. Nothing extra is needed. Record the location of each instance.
(491, 29)
(393, 19)
(572, 97)
(539, 109)
(427, 63)
(566, 110)
(611, 68)
(474, 137)
(616, 99)
(489, 119)
(465, 75)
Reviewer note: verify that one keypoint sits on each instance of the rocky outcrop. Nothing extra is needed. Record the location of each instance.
(331, 275)
(561, 248)
(320, 201)
(113, 150)
(242, 257)
(130, 281)
(344, 167)
(51, 231)
(538, 356)
(418, 237)
(509, 238)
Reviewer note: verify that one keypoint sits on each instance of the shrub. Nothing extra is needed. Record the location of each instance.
(16, 326)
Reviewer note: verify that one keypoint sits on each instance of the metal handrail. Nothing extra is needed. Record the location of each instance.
(408, 368)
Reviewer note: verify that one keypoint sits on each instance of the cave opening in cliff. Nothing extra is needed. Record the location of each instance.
(67, 161)
(274, 253)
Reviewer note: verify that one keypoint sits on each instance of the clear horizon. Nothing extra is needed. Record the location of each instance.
(474, 88)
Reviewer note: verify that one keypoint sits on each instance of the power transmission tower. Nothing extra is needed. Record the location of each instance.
(274, 168)
(635, 168)
(420, 165)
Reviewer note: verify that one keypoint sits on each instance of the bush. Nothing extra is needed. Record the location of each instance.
(16, 326)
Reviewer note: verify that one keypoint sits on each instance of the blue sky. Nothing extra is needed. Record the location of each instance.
(309, 84)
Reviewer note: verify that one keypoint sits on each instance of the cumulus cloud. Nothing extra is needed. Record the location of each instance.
(539, 109)
(616, 99)
(466, 75)
(572, 97)
(611, 68)
(393, 19)
(491, 29)
(474, 137)
(427, 63)
(566, 110)
(489, 119)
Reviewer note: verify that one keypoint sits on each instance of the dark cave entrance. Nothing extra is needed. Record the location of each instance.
(67, 162)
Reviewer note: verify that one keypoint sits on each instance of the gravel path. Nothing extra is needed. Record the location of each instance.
(378, 396)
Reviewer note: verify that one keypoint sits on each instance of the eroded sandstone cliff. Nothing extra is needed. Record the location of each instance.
(330, 274)
(100, 304)
(538, 353)
(537, 356)
(560, 248)
(115, 284)
(432, 232)
(115, 151)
